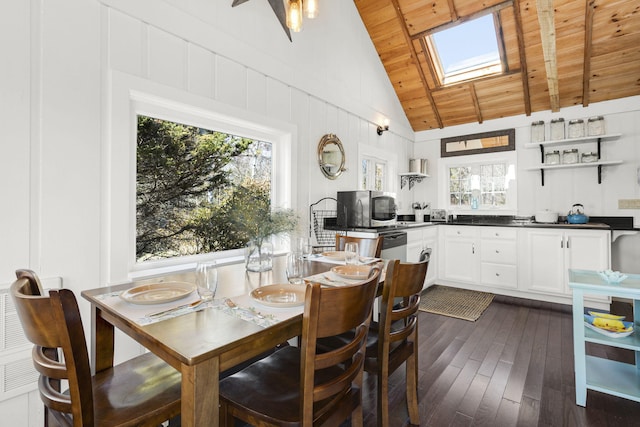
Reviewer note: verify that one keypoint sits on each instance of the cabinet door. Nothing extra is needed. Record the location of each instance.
(587, 250)
(460, 254)
(413, 251)
(545, 261)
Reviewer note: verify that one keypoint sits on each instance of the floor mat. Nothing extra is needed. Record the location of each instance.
(454, 302)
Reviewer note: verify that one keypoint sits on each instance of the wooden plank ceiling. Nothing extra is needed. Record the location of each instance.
(558, 53)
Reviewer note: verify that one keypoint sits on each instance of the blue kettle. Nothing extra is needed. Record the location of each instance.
(576, 215)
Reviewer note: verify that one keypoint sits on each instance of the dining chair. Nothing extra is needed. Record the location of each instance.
(393, 339)
(296, 386)
(143, 391)
(367, 246)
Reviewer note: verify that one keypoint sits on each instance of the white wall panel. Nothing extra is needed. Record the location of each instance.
(278, 100)
(231, 82)
(256, 92)
(125, 36)
(167, 58)
(200, 71)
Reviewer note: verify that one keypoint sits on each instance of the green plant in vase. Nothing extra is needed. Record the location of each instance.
(259, 223)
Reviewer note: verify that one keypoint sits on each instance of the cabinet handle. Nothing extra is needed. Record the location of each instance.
(497, 251)
(473, 248)
(497, 274)
(568, 240)
(562, 242)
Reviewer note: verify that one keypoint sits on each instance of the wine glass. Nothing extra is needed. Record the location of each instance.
(207, 280)
(351, 253)
(294, 268)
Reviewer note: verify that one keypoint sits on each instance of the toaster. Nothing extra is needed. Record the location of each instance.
(438, 215)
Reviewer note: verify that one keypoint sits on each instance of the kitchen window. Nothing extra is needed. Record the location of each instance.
(486, 185)
(373, 174)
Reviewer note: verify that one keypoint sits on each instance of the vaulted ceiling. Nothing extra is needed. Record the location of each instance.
(558, 53)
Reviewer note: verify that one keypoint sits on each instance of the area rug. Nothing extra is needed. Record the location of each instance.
(454, 302)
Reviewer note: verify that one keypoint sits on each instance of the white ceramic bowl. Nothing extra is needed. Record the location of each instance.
(546, 216)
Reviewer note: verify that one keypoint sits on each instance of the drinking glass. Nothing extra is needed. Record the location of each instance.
(207, 279)
(351, 253)
(294, 268)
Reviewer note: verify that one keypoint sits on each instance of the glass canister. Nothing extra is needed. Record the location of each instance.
(589, 157)
(552, 157)
(557, 129)
(570, 156)
(576, 128)
(537, 131)
(595, 125)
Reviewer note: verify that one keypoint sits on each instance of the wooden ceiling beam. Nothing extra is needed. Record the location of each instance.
(588, 45)
(523, 58)
(414, 57)
(476, 104)
(452, 11)
(546, 16)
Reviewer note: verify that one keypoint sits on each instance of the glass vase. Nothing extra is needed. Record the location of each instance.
(259, 255)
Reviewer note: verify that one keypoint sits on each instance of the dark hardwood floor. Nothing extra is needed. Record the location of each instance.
(512, 367)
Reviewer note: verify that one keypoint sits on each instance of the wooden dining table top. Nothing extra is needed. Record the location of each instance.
(199, 344)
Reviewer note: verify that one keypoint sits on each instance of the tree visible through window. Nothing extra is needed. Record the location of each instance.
(189, 183)
(372, 174)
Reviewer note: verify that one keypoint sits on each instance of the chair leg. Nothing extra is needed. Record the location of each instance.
(357, 418)
(412, 389)
(383, 399)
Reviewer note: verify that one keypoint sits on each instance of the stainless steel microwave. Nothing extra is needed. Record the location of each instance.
(364, 208)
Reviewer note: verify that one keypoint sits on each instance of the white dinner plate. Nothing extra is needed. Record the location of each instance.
(334, 255)
(279, 295)
(353, 272)
(158, 293)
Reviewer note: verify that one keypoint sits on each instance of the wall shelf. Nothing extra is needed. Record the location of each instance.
(411, 178)
(586, 139)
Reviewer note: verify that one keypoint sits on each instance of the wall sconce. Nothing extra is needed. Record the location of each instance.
(384, 127)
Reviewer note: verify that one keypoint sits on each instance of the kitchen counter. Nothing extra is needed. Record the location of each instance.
(599, 223)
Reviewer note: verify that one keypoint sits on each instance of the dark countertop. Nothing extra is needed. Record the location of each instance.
(407, 222)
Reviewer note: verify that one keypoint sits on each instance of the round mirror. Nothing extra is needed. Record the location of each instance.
(331, 156)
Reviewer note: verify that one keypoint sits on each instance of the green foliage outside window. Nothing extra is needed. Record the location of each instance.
(199, 191)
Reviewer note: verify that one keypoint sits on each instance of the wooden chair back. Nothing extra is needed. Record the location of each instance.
(38, 313)
(331, 311)
(367, 246)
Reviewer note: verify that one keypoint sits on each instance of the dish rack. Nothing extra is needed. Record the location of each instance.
(325, 209)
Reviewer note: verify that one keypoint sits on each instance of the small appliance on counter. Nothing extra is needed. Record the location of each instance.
(546, 217)
(439, 215)
(576, 215)
(366, 209)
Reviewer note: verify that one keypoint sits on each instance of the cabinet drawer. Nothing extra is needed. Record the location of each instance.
(498, 233)
(499, 251)
(460, 231)
(502, 275)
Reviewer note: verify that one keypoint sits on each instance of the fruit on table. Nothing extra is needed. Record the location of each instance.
(609, 324)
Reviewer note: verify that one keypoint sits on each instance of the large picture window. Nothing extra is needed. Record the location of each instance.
(189, 183)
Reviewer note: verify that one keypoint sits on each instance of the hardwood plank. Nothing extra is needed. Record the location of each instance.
(520, 368)
(473, 396)
(533, 382)
(486, 413)
(444, 413)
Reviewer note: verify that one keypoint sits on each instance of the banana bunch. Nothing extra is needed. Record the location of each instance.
(610, 325)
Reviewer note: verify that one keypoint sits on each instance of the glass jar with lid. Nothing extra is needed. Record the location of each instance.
(589, 157)
(552, 157)
(557, 129)
(537, 131)
(576, 128)
(570, 156)
(595, 125)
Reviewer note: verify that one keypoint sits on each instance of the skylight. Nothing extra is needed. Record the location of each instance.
(466, 51)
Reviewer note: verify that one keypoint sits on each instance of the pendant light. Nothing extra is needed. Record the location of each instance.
(310, 8)
(294, 15)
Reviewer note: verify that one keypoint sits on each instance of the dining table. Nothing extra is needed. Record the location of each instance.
(203, 341)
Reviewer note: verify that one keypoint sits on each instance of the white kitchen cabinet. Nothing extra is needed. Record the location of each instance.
(419, 239)
(460, 254)
(499, 257)
(549, 254)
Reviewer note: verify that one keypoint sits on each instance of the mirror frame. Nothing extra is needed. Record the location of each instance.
(327, 171)
(509, 146)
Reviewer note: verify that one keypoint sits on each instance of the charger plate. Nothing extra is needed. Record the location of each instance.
(158, 293)
(279, 295)
(354, 272)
